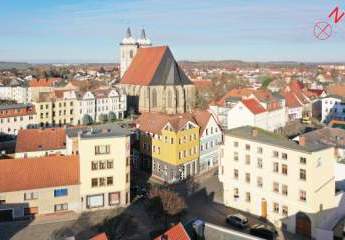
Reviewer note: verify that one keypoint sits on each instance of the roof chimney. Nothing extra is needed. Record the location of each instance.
(301, 140)
(254, 132)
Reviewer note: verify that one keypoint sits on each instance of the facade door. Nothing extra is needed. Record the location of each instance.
(263, 208)
(303, 224)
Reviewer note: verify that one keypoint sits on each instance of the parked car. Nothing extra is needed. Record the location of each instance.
(237, 220)
(263, 231)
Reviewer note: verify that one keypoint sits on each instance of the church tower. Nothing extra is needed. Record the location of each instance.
(143, 41)
(128, 49)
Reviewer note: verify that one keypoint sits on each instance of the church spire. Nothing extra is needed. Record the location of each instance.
(128, 33)
(144, 41)
(143, 34)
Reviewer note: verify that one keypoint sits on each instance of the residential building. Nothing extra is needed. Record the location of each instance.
(47, 184)
(259, 108)
(37, 86)
(87, 107)
(14, 117)
(290, 184)
(211, 137)
(15, 91)
(158, 85)
(40, 142)
(169, 145)
(332, 108)
(110, 101)
(104, 167)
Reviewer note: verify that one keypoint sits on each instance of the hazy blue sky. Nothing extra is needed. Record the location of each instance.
(90, 31)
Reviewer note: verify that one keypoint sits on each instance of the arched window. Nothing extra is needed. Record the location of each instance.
(154, 98)
(169, 98)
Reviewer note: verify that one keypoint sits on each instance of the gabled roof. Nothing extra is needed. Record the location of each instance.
(41, 83)
(101, 236)
(291, 100)
(30, 140)
(154, 66)
(177, 232)
(236, 92)
(253, 105)
(16, 110)
(202, 118)
(40, 172)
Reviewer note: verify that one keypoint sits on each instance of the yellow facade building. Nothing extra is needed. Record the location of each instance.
(169, 145)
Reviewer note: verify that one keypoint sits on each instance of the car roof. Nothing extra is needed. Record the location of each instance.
(238, 216)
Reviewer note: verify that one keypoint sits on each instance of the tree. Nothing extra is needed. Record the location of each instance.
(112, 116)
(103, 118)
(171, 204)
(87, 120)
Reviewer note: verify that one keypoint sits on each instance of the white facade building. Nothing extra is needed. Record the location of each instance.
(290, 184)
(16, 93)
(110, 100)
(15, 117)
(332, 107)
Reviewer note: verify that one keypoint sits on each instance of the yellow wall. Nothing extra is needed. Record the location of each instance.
(169, 152)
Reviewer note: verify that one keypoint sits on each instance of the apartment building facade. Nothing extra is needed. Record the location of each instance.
(104, 167)
(332, 108)
(169, 145)
(267, 175)
(14, 117)
(14, 92)
(47, 185)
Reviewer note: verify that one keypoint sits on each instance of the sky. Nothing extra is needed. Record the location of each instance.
(73, 31)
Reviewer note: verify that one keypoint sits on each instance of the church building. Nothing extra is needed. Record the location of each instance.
(152, 79)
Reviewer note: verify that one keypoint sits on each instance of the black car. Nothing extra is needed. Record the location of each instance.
(237, 220)
(264, 232)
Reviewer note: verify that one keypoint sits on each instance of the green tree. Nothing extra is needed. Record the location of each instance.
(112, 116)
(87, 120)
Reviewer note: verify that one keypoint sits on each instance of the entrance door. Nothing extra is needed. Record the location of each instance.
(263, 208)
(303, 224)
(6, 215)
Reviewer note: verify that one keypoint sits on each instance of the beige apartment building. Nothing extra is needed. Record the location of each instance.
(104, 167)
(47, 185)
(290, 184)
(93, 174)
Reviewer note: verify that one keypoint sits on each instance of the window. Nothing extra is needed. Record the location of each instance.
(302, 195)
(302, 174)
(101, 164)
(303, 160)
(94, 182)
(60, 192)
(114, 198)
(275, 154)
(259, 182)
(236, 156)
(247, 196)
(276, 187)
(285, 211)
(236, 173)
(284, 156)
(248, 159)
(127, 161)
(110, 180)
(127, 178)
(260, 150)
(247, 177)
(235, 144)
(61, 207)
(30, 195)
(101, 181)
(95, 201)
(275, 167)
(285, 190)
(247, 147)
(236, 193)
(110, 164)
(276, 207)
(259, 163)
(94, 165)
(102, 149)
(284, 169)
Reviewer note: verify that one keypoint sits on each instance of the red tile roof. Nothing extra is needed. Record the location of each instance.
(17, 110)
(177, 232)
(236, 92)
(253, 105)
(101, 236)
(144, 66)
(291, 100)
(40, 172)
(30, 140)
(41, 83)
(202, 118)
